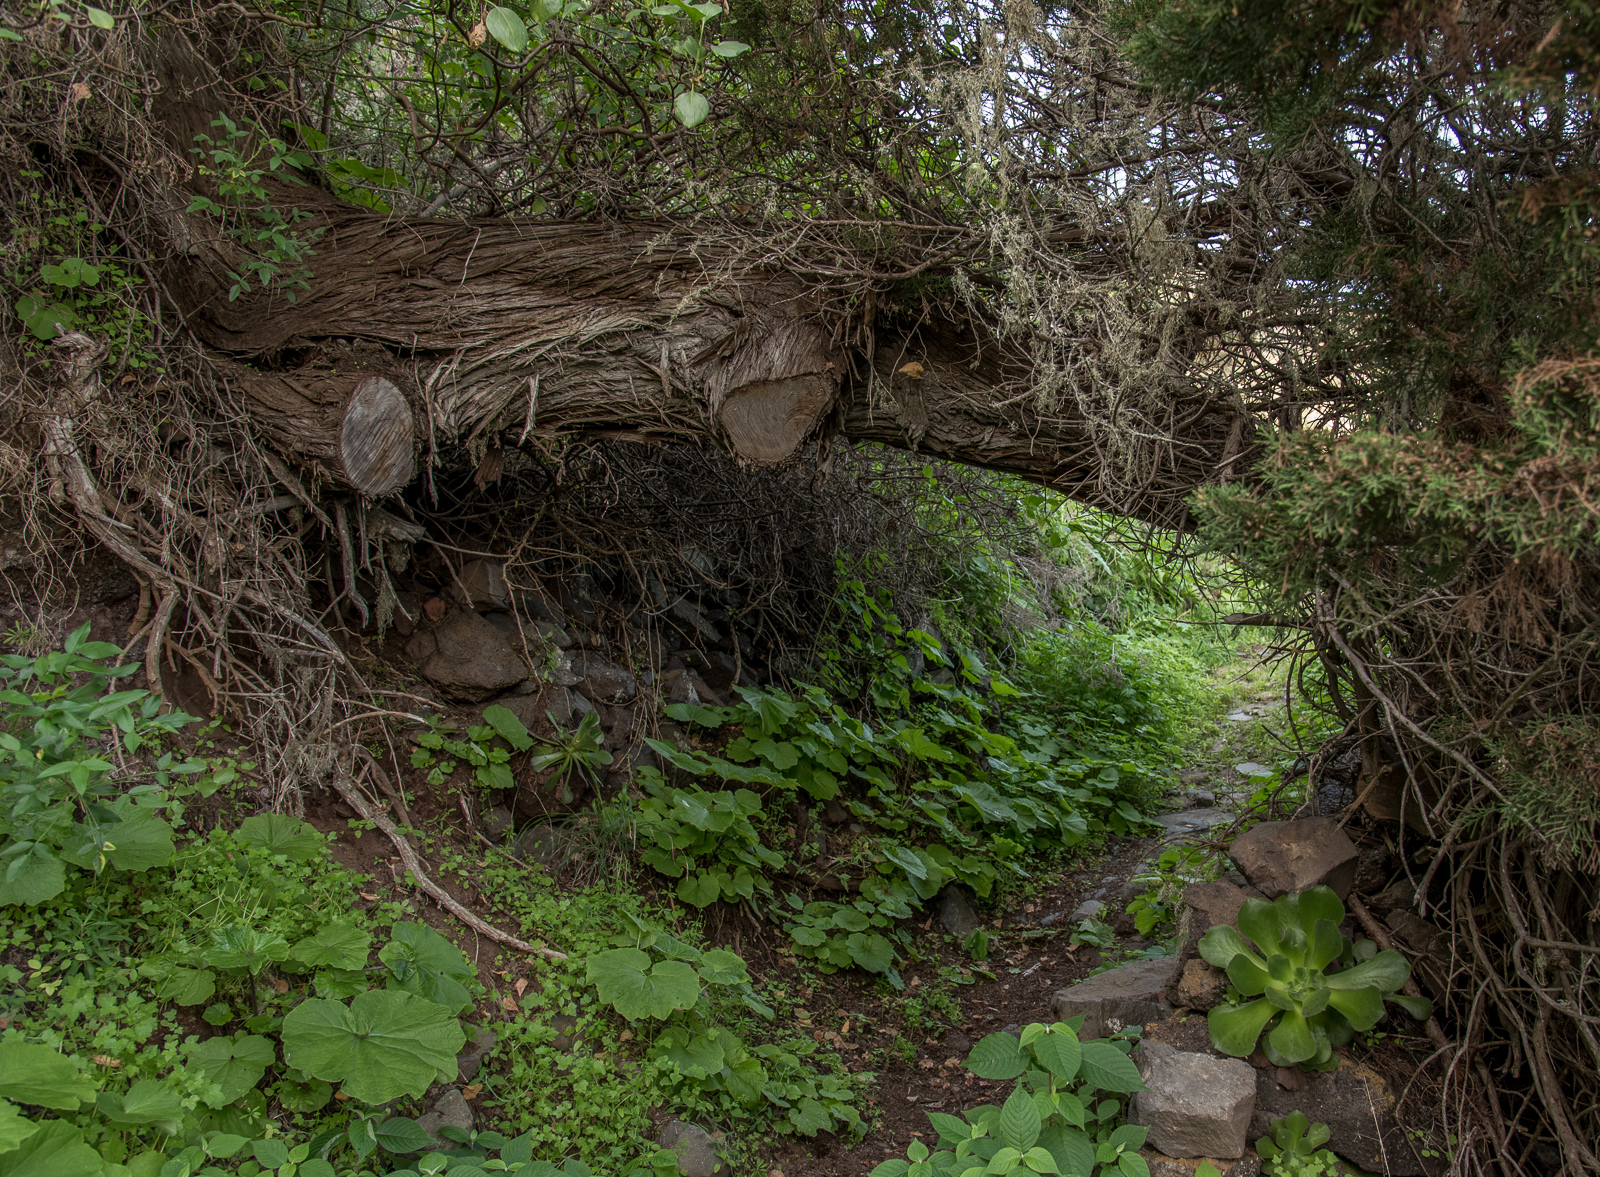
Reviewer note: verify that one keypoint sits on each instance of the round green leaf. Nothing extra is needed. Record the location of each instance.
(296, 840)
(729, 48)
(871, 952)
(691, 108)
(718, 966)
(623, 983)
(342, 946)
(234, 1064)
(385, 1044)
(506, 27)
(37, 877)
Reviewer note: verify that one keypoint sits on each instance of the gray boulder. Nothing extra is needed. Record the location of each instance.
(1196, 1105)
(450, 1110)
(1127, 996)
(1191, 821)
(958, 909)
(1286, 857)
(697, 1152)
(467, 658)
(1089, 909)
(472, 1055)
(481, 585)
(603, 680)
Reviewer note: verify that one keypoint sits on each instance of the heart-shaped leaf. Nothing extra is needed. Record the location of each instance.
(239, 946)
(718, 966)
(234, 1064)
(275, 833)
(623, 982)
(341, 946)
(384, 1044)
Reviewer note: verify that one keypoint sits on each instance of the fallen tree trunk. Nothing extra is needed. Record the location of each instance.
(425, 334)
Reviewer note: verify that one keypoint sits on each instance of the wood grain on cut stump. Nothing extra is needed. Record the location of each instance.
(375, 442)
(341, 415)
(770, 382)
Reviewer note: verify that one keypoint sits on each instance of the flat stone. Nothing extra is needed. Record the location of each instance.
(1356, 1104)
(1197, 1105)
(471, 1058)
(1089, 909)
(1200, 986)
(481, 585)
(1126, 996)
(697, 1152)
(603, 680)
(1286, 857)
(1251, 768)
(545, 844)
(958, 908)
(1202, 799)
(471, 659)
(1191, 821)
(496, 822)
(450, 1111)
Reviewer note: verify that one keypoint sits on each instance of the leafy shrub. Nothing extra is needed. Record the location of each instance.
(1304, 1005)
(1294, 1149)
(1057, 1120)
(62, 803)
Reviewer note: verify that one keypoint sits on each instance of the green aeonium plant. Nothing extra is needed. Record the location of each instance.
(1313, 987)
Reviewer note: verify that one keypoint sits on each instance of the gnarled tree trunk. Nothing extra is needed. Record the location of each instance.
(421, 334)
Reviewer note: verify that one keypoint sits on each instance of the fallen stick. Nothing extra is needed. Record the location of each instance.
(345, 787)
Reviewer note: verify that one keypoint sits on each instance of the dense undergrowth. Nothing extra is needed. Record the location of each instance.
(234, 1001)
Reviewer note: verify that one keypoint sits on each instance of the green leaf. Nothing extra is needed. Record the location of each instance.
(1222, 943)
(239, 946)
(343, 946)
(1236, 1028)
(1385, 972)
(729, 48)
(950, 1128)
(185, 986)
(718, 966)
(870, 951)
(506, 27)
(385, 1044)
(809, 1117)
(1419, 1008)
(148, 1101)
(296, 840)
(1108, 1068)
(1040, 1161)
(56, 1149)
(270, 1154)
(401, 1135)
(233, 1064)
(37, 1075)
(39, 878)
(503, 720)
(1073, 1149)
(1019, 1121)
(1061, 1053)
(1258, 920)
(620, 977)
(997, 1056)
(701, 890)
(14, 1126)
(691, 108)
(893, 1167)
(1134, 1165)
(1362, 1008)
(425, 963)
(100, 18)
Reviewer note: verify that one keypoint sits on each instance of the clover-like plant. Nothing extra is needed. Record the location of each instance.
(1295, 1148)
(1313, 987)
